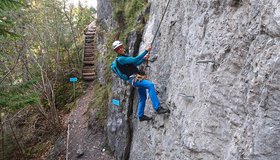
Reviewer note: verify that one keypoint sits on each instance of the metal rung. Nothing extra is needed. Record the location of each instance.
(206, 61)
(186, 96)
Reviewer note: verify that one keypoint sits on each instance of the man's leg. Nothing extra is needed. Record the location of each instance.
(151, 89)
(142, 102)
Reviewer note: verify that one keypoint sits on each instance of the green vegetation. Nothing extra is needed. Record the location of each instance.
(41, 47)
(18, 96)
(46, 53)
(126, 13)
(7, 18)
(64, 92)
(100, 98)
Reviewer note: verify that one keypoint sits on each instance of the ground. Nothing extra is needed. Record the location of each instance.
(86, 138)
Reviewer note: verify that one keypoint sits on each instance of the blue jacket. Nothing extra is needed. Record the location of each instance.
(128, 65)
(136, 61)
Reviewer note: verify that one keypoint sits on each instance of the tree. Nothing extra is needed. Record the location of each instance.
(36, 65)
(6, 18)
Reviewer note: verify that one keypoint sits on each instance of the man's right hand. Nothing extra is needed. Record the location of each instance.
(147, 56)
(149, 48)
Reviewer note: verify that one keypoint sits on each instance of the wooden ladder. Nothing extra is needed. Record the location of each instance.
(89, 59)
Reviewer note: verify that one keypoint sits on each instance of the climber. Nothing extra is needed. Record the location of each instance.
(127, 65)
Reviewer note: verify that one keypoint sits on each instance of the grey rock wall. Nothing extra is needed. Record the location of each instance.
(119, 123)
(225, 53)
(104, 25)
(235, 113)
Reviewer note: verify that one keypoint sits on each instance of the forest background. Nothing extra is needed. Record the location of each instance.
(41, 46)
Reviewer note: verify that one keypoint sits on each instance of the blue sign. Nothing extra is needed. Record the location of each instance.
(73, 79)
(116, 102)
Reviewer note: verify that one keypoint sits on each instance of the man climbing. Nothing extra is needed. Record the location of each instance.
(127, 65)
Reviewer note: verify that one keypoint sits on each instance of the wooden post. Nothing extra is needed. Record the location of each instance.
(74, 89)
(67, 140)
(73, 80)
(2, 136)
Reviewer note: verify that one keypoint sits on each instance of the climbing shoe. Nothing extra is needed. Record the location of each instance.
(145, 118)
(162, 110)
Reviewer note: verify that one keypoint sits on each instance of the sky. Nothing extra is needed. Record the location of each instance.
(90, 3)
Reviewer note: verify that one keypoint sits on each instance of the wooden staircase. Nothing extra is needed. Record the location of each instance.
(89, 59)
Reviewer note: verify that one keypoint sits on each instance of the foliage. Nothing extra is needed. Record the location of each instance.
(35, 67)
(18, 96)
(100, 97)
(125, 13)
(64, 93)
(48, 52)
(7, 7)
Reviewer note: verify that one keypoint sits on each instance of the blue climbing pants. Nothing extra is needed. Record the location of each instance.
(142, 87)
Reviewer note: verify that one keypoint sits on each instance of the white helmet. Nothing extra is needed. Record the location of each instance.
(116, 44)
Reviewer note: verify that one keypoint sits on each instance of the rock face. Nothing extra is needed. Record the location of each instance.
(225, 54)
(104, 24)
(118, 126)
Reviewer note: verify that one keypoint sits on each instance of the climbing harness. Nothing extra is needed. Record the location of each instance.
(140, 77)
(147, 64)
(137, 77)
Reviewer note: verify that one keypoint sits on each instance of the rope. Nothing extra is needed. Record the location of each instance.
(147, 64)
(160, 22)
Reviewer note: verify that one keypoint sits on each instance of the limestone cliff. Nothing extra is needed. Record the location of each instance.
(225, 53)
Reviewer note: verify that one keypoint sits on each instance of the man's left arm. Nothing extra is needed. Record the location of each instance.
(146, 57)
(142, 60)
